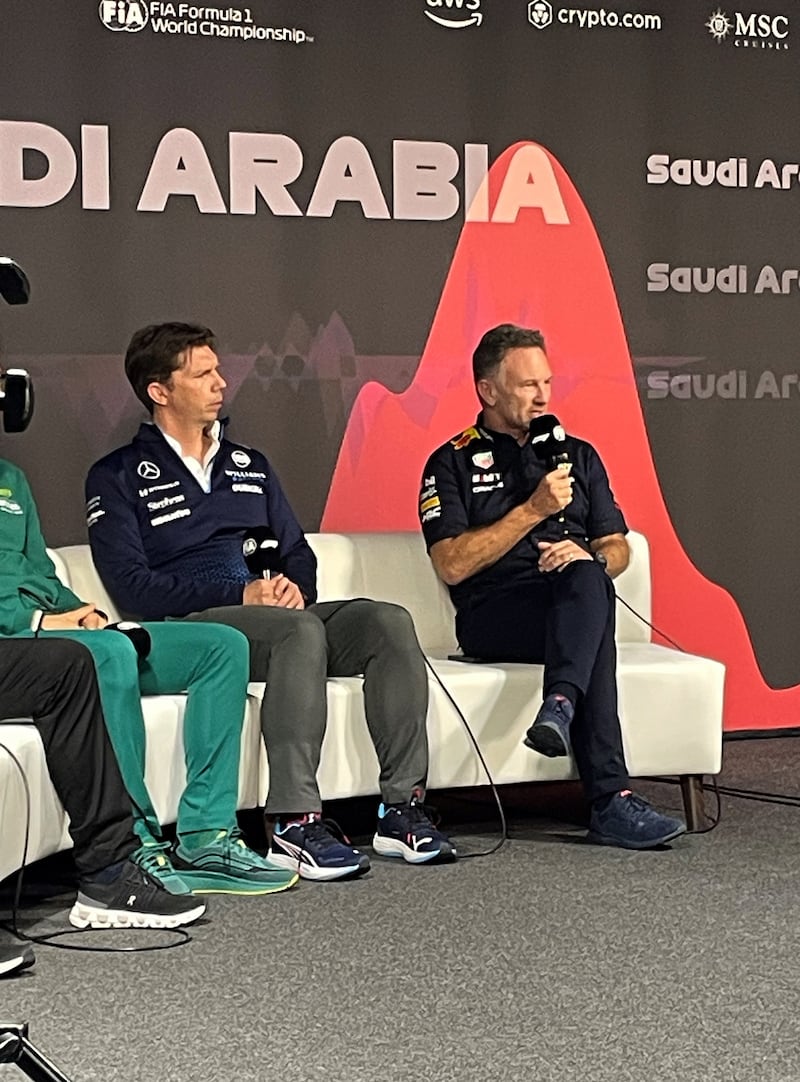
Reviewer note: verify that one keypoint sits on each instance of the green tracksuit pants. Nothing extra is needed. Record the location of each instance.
(210, 663)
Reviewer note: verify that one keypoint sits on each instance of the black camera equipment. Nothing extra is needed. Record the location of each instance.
(16, 388)
(16, 1048)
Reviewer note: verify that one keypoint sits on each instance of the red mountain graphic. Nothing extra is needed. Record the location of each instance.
(548, 271)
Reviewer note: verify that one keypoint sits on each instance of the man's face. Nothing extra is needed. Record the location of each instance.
(518, 391)
(193, 394)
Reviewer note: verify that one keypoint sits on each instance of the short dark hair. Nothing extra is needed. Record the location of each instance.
(156, 351)
(494, 345)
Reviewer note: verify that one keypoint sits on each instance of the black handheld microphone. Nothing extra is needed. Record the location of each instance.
(261, 552)
(139, 636)
(548, 440)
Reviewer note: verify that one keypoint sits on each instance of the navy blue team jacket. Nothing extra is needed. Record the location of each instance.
(479, 476)
(164, 547)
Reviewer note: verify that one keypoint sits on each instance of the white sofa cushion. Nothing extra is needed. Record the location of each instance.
(670, 702)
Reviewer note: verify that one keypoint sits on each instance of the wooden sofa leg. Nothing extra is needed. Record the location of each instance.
(693, 806)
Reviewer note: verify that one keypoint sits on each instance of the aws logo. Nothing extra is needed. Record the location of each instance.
(455, 14)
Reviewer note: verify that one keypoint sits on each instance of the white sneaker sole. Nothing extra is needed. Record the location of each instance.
(391, 847)
(313, 871)
(86, 916)
(20, 961)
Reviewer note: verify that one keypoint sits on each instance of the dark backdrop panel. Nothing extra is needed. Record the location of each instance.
(308, 310)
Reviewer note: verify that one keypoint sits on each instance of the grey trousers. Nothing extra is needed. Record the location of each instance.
(294, 651)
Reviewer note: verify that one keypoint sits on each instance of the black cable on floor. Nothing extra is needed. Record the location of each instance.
(501, 811)
(47, 940)
(711, 787)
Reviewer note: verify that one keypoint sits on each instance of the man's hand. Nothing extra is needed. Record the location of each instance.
(287, 593)
(553, 493)
(556, 555)
(87, 617)
(278, 591)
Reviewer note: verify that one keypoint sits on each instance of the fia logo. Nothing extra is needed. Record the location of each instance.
(455, 14)
(130, 15)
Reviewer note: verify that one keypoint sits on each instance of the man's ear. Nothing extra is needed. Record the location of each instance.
(157, 392)
(486, 391)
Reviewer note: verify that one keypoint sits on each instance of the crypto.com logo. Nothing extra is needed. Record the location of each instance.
(540, 13)
(130, 15)
(453, 13)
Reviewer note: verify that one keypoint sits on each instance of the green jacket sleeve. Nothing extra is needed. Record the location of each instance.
(28, 579)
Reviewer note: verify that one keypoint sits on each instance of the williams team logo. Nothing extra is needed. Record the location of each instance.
(130, 15)
(455, 14)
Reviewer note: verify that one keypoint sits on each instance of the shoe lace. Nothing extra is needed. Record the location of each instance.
(230, 839)
(420, 814)
(637, 803)
(325, 833)
(152, 859)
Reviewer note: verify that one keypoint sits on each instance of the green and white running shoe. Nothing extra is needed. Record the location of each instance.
(227, 865)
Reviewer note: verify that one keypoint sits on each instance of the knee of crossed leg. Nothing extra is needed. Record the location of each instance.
(387, 622)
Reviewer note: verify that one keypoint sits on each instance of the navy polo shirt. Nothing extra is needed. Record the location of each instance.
(479, 476)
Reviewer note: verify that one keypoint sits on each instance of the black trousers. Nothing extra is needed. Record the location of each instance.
(565, 621)
(53, 682)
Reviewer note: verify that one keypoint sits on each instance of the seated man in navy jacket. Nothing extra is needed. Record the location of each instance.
(167, 515)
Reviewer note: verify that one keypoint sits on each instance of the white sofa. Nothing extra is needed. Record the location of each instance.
(670, 702)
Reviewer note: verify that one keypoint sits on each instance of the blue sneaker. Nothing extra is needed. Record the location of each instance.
(310, 847)
(404, 830)
(549, 734)
(629, 822)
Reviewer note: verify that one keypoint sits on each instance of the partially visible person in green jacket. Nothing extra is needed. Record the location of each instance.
(207, 661)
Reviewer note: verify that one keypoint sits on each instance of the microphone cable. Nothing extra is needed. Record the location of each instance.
(47, 940)
(713, 820)
(504, 836)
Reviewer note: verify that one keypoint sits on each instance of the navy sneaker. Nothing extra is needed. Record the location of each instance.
(404, 830)
(316, 849)
(549, 734)
(629, 822)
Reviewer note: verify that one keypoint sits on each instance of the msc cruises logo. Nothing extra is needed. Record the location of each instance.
(754, 30)
(455, 14)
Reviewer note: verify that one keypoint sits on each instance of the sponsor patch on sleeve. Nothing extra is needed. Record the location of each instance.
(94, 512)
(466, 437)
